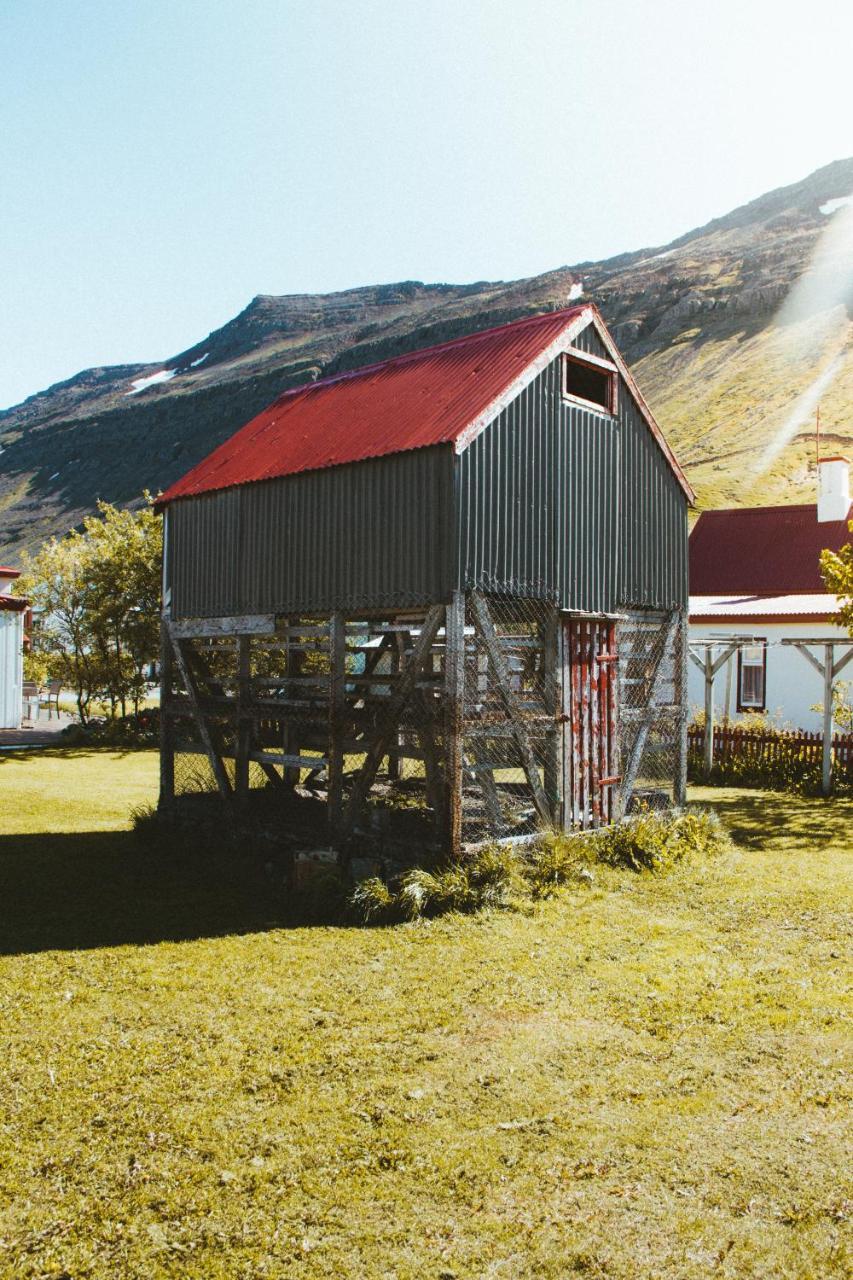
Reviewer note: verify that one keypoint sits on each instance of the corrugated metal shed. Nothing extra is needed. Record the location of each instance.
(526, 491)
(761, 550)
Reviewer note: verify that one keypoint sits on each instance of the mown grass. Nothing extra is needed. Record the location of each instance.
(644, 1078)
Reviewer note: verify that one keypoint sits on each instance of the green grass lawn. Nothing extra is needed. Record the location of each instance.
(644, 1078)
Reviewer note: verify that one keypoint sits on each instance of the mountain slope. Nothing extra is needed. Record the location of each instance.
(726, 329)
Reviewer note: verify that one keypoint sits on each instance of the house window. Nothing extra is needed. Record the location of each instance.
(752, 678)
(590, 382)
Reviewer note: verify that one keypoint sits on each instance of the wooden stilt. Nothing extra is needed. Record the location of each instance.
(363, 780)
(486, 628)
(337, 704)
(245, 722)
(553, 773)
(454, 699)
(680, 787)
(167, 723)
(216, 763)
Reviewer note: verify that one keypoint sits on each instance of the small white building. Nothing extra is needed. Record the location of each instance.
(12, 612)
(756, 572)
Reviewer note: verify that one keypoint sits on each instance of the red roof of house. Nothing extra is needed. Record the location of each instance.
(428, 397)
(6, 572)
(13, 604)
(761, 550)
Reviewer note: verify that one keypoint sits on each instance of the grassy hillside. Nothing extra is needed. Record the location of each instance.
(725, 328)
(642, 1079)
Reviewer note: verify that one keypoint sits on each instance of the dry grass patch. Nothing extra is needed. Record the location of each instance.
(641, 1078)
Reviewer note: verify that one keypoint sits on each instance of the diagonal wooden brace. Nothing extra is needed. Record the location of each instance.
(486, 628)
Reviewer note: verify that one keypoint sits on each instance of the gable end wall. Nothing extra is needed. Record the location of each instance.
(558, 500)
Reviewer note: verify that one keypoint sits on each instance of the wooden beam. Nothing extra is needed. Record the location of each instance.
(213, 755)
(167, 723)
(812, 660)
(454, 714)
(826, 772)
(245, 721)
(337, 707)
(252, 624)
(486, 628)
(839, 666)
(378, 748)
(680, 789)
(550, 662)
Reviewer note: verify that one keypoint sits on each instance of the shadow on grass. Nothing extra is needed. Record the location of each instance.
(785, 823)
(27, 752)
(106, 889)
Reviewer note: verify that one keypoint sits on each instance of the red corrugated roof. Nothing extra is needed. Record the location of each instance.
(424, 398)
(761, 550)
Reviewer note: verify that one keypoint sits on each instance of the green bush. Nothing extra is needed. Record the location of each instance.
(654, 841)
(559, 859)
(487, 877)
(505, 876)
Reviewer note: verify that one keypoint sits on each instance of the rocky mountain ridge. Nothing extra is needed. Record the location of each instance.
(702, 321)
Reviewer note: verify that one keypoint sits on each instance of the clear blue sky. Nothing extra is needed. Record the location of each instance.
(162, 163)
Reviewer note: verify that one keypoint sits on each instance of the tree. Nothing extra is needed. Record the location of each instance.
(96, 594)
(837, 570)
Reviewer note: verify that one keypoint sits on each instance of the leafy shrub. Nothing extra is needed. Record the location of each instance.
(504, 876)
(142, 730)
(557, 860)
(487, 877)
(652, 840)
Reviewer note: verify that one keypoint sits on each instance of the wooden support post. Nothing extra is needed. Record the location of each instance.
(829, 669)
(167, 723)
(245, 722)
(454, 711)
(213, 755)
(826, 773)
(290, 736)
(398, 655)
(486, 628)
(680, 782)
(553, 772)
(337, 703)
(709, 712)
(363, 780)
(709, 666)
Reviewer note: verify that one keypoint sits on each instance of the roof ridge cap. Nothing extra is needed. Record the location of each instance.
(566, 313)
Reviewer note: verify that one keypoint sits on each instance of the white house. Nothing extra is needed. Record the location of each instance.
(756, 572)
(12, 611)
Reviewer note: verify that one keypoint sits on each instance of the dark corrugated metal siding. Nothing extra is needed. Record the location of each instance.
(364, 535)
(654, 520)
(556, 499)
(551, 499)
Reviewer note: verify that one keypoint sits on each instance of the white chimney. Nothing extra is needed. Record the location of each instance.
(833, 495)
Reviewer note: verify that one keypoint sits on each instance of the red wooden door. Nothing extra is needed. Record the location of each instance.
(590, 720)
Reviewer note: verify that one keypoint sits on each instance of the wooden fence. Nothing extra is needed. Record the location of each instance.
(759, 745)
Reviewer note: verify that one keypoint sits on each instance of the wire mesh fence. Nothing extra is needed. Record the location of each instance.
(511, 734)
(548, 734)
(652, 710)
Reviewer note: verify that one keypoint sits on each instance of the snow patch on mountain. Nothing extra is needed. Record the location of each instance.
(140, 384)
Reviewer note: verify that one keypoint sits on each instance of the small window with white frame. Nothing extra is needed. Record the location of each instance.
(752, 677)
(590, 382)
